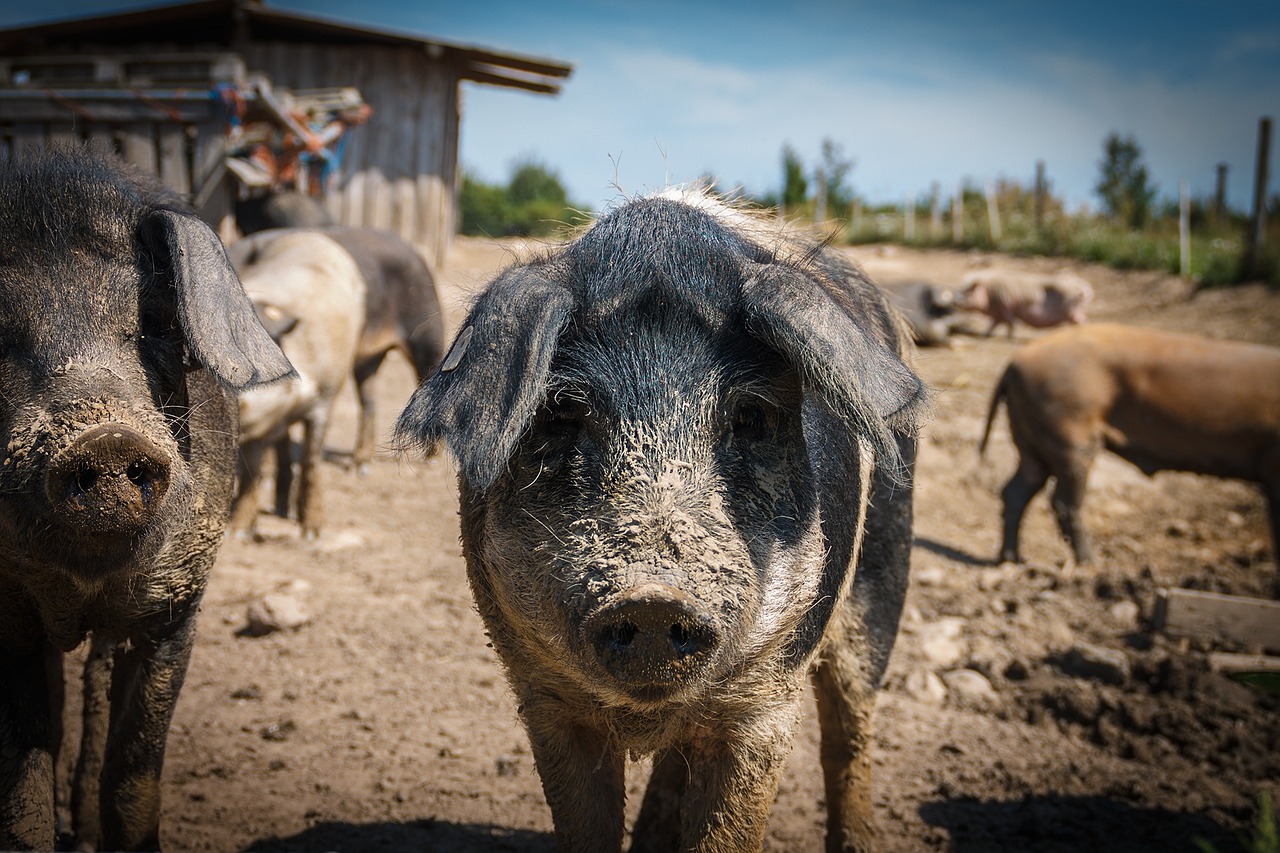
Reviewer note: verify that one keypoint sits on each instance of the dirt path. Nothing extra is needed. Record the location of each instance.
(385, 723)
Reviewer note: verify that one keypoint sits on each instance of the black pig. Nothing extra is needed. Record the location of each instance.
(122, 331)
(686, 444)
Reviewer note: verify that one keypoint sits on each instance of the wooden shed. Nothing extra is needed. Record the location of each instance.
(147, 82)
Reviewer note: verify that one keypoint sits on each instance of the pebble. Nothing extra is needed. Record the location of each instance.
(1124, 614)
(282, 610)
(942, 642)
(1085, 660)
(970, 689)
(925, 685)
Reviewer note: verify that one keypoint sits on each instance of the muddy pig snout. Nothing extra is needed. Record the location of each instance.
(652, 636)
(111, 479)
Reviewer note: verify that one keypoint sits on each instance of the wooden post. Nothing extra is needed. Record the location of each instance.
(1256, 237)
(993, 213)
(957, 216)
(1040, 194)
(935, 212)
(820, 200)
(1220, 196)
(909, 220)
(1184, 228)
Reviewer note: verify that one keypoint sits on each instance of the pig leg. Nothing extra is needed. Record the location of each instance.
(310, 509)
(144, 690)
(244, 509)
(1025, 484)
(364, 392)
(86, 821)
(1068, 495)
(657, 828)
(26, 753)
(732, 783)
(845, 706)
(583, 777)
(284, 473)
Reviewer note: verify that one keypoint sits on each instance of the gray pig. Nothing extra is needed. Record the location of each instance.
(686, 445)
(1162, 400)
(400, 309)
(122, 330)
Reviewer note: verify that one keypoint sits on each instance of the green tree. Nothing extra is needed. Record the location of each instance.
(1123, 183)
(836, 167)
(532, 181)
(533, 203)
(795, 187)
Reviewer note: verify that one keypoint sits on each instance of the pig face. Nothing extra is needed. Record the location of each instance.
(662, 504)
(108, 306)
(665, 435)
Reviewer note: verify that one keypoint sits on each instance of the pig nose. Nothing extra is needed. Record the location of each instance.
(653, 635)
(110, 480)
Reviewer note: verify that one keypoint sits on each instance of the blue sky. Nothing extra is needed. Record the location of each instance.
(914, 91)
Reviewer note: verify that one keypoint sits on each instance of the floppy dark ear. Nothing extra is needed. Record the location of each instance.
(837, 351)
(494, 377)
(218, 320)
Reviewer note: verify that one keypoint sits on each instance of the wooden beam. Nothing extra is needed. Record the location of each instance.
(1231, 662)
(1254, 622)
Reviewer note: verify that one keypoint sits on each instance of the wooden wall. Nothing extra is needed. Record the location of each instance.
(399, 170)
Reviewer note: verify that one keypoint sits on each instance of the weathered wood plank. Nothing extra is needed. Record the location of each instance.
(138, 146)
(1255, 622)
(1232, 662)
(175, 171)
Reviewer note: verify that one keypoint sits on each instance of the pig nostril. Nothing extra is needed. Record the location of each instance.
(138, 474)
(682, 640)
(86, 478)
(620, 636)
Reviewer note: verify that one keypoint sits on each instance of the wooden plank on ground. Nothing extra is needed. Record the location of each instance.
(1232, 662)
(1255, 622)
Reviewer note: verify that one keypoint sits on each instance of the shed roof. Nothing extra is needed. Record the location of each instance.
(224, 22)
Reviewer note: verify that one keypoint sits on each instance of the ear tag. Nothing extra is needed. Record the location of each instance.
(456, 351)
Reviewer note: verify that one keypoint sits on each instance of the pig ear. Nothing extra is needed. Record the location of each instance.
(217, 318)
(494, 377)
(836, 349)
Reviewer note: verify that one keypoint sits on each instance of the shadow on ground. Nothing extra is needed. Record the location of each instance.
(436, 836)
(953, 554)
(1053, 824)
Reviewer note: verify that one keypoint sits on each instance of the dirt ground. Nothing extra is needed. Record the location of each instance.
(385, 722)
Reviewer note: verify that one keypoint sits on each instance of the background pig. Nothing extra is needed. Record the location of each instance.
(122, 327)
(280, 209)
(401, 311)
(309, 293)
(685, 447)
(929, 310)
(1039, 300)
(1163, 401)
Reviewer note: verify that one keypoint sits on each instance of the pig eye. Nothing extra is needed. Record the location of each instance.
(752, 420)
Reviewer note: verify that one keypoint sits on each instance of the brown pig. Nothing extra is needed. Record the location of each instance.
(1037, 299)
(1161, 400)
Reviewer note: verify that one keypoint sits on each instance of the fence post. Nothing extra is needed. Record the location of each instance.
(1040, 194)
(957, 216)
(1256, 237)
(1184, 228)
(909, 219)
(935, 212)
(1220, 196)
(993, 213)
